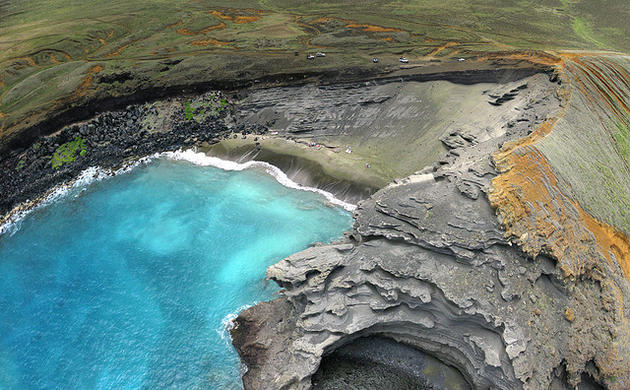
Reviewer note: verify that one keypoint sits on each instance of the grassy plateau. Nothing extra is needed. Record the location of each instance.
(58, 54)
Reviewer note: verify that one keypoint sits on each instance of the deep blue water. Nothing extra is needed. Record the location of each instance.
(125, 285)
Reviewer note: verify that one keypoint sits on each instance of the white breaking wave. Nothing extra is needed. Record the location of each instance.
(201, 159)
(94, 174)
(227, 323)
(85, 178)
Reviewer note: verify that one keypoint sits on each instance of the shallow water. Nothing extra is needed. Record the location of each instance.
(129, 283)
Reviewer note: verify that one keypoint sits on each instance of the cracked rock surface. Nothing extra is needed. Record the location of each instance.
(427, 265)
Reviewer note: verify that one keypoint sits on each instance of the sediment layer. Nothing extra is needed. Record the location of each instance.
(428, 265)
(108, 140)
(564, 191)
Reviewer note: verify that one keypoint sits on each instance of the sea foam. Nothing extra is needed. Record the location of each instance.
(11, 223)
(201, 159)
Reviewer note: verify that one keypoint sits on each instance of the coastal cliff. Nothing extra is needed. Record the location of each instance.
(490, 165)
(429, 265)
(457, 274)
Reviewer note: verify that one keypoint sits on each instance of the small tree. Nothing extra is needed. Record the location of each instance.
(188, 111)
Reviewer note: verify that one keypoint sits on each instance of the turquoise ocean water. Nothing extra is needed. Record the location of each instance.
(128, 283)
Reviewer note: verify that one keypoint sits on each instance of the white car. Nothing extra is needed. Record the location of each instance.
(320, 54)
(310, 57)
(403, 60)
(461, 59)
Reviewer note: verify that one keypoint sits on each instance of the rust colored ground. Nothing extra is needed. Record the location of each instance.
(117, 52)
(372, 28)
(442, 47)
(87, 81)
(184, 31)
(528, 185)
(208, 42)
(533, 56)
(238, 19)
(176, 24)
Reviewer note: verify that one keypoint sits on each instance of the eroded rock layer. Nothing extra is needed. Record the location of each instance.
(428, 265)
(574, 162)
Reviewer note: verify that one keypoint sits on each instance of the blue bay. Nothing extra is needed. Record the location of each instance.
(127, 284)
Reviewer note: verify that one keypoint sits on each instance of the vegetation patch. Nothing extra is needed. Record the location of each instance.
(188, 112)
(582, 30)
(68, 152)
(622, 140)
(207, 106)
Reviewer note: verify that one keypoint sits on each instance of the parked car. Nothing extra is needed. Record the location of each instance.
(320, 54)
(375, 60)
(310, 57)
(403, 60)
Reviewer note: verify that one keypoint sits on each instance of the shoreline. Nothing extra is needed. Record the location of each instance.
(94, 174)
(157, 122)
(315, 165)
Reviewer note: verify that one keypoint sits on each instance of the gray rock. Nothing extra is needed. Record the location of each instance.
(428, 266)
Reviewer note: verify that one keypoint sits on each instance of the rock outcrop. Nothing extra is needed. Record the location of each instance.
(108, 141)
(428, 265)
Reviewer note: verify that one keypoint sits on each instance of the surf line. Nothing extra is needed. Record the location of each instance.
(11, 221)
(201, 159)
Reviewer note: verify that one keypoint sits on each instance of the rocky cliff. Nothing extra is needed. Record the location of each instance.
(429, 265)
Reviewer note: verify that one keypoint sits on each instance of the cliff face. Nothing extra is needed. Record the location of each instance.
(564, 192)
(429, 266)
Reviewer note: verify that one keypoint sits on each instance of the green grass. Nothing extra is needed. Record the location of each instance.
(47, 48)
(583, 30)
(188, 112)
(68, 152)
(203, 107)
(622, 140)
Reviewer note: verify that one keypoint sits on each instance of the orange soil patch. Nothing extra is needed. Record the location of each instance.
(527, 184)
(442, 47)
(238, 19)
(87, 81)
(102, 41)
(372, 28)
(184, 31)
(28, 61)
(533, 56)
(387, 39)
(176, 24)
(245, 19)
(208, 42)
(322, 20)
(2, 115)
(117, 51)
(610, 240)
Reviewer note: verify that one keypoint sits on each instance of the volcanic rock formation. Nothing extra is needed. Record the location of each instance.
(427, 264)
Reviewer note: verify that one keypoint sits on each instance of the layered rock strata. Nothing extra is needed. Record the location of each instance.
(428, 265)
(108, 140)
(563, 191)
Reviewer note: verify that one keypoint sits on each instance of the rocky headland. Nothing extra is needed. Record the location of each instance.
(430, 289)
(429, 265)
(491, 168)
